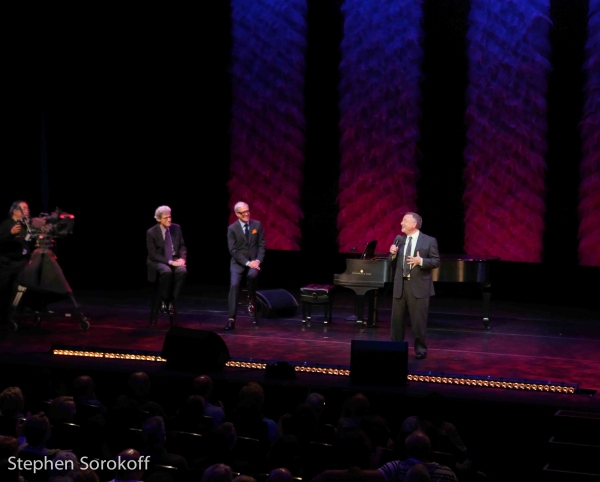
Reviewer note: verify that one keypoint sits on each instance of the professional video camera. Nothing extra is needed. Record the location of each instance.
(47, 227)
(42, 274)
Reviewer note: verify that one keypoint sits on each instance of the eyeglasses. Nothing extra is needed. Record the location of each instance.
(243, 213)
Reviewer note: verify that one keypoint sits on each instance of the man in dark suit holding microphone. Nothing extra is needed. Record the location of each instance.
(167, 255)
(246, 242)
(417, 254)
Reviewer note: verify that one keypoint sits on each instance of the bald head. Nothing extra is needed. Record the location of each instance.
(130, 466)
(203, 386)
(139, 382)
(280, 475)
(217, 473)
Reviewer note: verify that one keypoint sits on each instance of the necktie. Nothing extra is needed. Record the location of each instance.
(406, 267)
(168, 245)
(247, 232)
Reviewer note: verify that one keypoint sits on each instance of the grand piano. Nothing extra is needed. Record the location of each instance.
(367, 275)
(463, 268)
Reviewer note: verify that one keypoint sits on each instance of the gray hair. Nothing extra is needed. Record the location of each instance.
(239, 205)
(160, 210)
(417, 218)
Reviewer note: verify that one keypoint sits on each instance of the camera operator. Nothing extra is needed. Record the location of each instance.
(15, 251)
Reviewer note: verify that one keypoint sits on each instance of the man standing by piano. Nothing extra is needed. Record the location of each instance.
(246, 242)
(417, 254)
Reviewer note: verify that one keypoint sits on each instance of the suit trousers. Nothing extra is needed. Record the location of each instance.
(170, 282)
(418, 311)
(234, 288)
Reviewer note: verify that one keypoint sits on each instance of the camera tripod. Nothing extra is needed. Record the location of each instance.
(43, 275)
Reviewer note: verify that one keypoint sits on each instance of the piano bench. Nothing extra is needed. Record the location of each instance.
(317, 295)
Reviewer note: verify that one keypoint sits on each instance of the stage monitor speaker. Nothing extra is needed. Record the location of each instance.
(382, 363)
(197, 351)
(275, 304)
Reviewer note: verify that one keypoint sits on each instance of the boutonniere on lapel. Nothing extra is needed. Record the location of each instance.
(254, 231)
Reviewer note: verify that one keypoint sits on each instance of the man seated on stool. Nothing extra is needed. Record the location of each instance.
(246, 242)
(166, 260)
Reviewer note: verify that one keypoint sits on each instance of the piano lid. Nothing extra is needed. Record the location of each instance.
(464, 268)
(468, 257)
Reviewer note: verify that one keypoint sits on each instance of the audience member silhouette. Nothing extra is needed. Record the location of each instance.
(418, 449)
(354, 450)
(190, 417)
(9, 447)
(354, 409)
(280, 475)
(222, 447)
(84, 393)
(62, 409)
(155, 437)
(203, 386)
(326, 432)
(12, 403)
(129, 467)
(244, 478)
(302, 423)
(37, 431)
(286, 452)
(85, 475)
(65, 465)
(217, 473)
(133, 408)
(248, 418)
(443, 435)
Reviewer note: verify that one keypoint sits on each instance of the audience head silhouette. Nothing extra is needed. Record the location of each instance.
(218, 473)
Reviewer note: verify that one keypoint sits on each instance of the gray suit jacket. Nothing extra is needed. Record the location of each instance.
(420, 276)
(241, 251)
(156, 247)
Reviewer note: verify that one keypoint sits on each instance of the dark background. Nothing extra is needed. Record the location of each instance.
(137, 103)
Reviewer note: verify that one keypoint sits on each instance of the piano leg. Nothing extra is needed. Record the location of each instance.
(372, 317)
(360, 308)
(486, 289)
(305, 310)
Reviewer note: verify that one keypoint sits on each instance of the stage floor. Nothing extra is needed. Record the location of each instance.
(525, 342)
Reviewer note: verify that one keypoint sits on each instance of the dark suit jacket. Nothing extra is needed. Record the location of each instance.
(420, 276)
(156, 248)
(242, 252)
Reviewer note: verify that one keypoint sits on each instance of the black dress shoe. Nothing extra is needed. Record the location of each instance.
(230, 324)
(421, 356)
(254, 321)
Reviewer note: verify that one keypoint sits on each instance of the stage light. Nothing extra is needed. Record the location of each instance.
(253, 364)
(569, 388)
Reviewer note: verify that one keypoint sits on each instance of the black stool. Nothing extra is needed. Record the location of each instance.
(317, 295)
(160, 306)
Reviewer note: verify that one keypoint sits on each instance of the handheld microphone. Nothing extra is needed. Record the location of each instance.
(396, 243)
